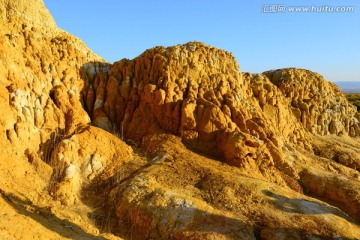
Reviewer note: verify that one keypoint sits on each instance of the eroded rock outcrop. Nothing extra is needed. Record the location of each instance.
(197, 92)
(319, 105)
(42, 74)
(287, 137)
(41, 78)
(81, 158)
(268, 125)
(188, 196)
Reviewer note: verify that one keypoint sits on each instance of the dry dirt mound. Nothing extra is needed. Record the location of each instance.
(186, 146)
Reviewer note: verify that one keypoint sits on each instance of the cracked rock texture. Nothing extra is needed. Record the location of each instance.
(196, 92)
(274, 127)
(319, 105)
(174, 144)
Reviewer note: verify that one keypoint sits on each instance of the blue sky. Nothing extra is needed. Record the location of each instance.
(327, 43)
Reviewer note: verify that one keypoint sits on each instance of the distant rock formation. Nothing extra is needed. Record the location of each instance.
(319, 105)
(193, 148)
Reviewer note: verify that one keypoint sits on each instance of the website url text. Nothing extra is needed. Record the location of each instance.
(282, 8)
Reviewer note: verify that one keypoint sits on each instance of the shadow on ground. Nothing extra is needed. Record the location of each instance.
(306, 207)
(46, 218)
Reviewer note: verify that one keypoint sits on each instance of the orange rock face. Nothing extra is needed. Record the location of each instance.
(319, 105)
(174, 144)
(268, 125)
(196, 92)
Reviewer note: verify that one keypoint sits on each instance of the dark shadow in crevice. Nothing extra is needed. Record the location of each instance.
(46, 149)
(88, 72)
(206, 149)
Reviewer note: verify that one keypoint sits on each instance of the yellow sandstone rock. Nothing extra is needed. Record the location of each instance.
(174, 144)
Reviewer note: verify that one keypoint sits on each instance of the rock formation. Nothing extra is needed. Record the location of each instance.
(41, 78)
(196, 92)
(319, 105)
(174, 144)
(268, 125)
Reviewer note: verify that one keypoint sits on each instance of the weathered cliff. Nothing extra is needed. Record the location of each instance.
(42, 72)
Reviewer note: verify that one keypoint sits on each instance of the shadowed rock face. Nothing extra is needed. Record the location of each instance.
(288, 138)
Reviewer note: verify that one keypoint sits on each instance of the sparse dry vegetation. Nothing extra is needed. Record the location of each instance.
(354, 99)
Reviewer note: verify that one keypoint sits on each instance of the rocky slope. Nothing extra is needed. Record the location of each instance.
(41, 77)
(174, 144)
